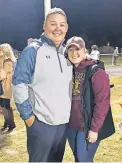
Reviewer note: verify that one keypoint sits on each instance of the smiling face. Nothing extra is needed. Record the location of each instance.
(76, 55)
(56, 28)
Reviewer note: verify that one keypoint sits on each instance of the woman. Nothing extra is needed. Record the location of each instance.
(6, 79)
(91, 119)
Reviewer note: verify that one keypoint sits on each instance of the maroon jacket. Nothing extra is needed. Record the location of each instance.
(101, 90)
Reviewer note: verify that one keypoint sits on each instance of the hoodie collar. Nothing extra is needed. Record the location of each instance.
(49, 41)
(83, 64)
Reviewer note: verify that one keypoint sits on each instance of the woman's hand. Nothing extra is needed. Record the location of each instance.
(92, 136)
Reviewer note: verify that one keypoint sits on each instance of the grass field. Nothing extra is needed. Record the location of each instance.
(107, 59)
(110, 150)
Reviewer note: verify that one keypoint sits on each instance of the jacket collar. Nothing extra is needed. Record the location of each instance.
(49, 41)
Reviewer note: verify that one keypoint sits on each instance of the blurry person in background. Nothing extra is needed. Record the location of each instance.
(6, 67)
(115, 56)
(95, 54)
(29, 41)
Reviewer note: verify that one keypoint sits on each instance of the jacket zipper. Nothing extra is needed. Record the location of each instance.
(59, 62)
(85, 127)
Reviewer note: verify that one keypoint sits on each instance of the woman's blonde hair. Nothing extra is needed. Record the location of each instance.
(7, 50)
(7, 53)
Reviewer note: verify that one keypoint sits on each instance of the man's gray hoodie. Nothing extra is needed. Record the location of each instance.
(42, 83)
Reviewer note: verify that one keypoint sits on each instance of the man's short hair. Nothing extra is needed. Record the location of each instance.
(56, 11)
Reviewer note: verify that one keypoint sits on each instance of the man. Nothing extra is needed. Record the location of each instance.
(42, 90)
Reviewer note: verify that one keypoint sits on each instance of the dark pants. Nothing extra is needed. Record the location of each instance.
(82, 152)
(46, 143)
(115, 60)
(7, 113)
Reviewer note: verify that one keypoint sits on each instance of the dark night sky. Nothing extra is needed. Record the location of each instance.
(19, 20)
(97, 21)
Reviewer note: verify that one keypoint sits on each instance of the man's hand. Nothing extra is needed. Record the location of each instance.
(92, 136)
(30, 121)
